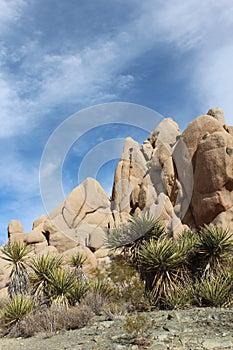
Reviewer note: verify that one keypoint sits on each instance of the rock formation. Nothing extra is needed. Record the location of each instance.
(185, 179)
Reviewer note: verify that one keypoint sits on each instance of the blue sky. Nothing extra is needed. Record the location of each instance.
(58, 57)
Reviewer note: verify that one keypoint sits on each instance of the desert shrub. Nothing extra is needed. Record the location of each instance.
(77, 292)
(129, 289)
(96, 301)
(213, 291)
(138, 328)
(50, 320)
(79, 316)
(113, 309)
(213, 250)
(14, 310)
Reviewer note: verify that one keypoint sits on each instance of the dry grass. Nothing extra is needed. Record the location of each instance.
(50, 320)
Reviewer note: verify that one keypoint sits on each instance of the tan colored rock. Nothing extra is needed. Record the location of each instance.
(167, 132)
(18, 237)
(214, 164)
(48, 250)
(36, 235)
(230, 130)
(224, 220)
(5, 270)
(213, 177)
(62, 242)
(39, 247)
(15, 226)
(198, 129)
(128, 177)
(102, 253)
(218, 114)
(85, 210)
(91, 236)
(162, 171)
(39, 221)
(147, 194)
(147, 150)
(3, 293)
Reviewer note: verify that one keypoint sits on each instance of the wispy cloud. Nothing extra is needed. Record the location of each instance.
(44, 79)
(39, 76)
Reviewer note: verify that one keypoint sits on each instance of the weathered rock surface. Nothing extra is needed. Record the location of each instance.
(15, 226)
(218, 114)
(214, 167)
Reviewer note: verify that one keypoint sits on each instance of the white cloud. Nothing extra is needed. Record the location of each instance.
(85, 76)
(10, 11)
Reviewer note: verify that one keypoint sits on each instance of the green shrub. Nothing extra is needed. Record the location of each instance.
(129, 289)
(15, 309)
(213, 291)
(77, 292)
(163, 265)
(213, 249)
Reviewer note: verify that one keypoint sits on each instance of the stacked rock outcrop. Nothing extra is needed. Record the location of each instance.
(185, 179)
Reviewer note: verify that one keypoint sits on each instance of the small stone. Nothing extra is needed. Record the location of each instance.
(216, 343)
(158, 346)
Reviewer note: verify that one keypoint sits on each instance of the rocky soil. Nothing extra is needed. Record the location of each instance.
(191, 329)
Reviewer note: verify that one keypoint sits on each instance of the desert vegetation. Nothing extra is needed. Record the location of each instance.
(150, 270)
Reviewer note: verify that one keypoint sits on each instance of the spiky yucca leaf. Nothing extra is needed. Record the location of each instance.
(214, 248)
(77, 292)
(77, 260)
(16, 308)
(101, 286)
(213, 291)
(179, 297)
(163, 264)
(61, 283)
(42, 268)
(133, 235)
(17, 255)
(138, 228)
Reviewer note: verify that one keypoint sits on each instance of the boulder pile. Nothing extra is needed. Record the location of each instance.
(185, 179)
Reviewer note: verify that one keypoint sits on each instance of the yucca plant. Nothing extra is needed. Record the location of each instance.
(17, 255)
(42, 267)
(163, 265)
(77, 261)
(213, 249)
(61, 283)
(213, 291)
(77, 292)
(132, 235)
(16, 308)
(179, 297)
(101, 286)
